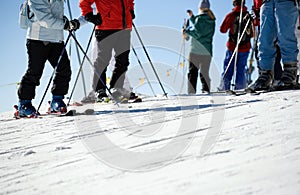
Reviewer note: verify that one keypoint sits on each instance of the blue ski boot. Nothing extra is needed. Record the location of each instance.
(57, 104)
(25, 109)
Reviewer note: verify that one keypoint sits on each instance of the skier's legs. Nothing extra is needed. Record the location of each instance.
(37, 56)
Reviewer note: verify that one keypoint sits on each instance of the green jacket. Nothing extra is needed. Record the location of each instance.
(202, 34)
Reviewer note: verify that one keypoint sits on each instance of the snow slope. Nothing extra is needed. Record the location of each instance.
(181, 145)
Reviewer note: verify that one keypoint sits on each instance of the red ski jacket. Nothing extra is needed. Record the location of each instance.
(115, 13)
(228, 24)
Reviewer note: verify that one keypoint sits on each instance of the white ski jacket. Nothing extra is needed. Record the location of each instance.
(47, 23)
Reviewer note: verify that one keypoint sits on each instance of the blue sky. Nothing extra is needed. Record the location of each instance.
(166, 13)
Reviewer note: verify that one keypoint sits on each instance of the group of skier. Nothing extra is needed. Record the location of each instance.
(276, 41)
(113, 24)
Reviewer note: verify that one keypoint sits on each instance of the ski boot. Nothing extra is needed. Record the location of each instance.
(25, 109)
(90, 98)
(57, 105)
(101, 96)
(288, 79)
(263, 82)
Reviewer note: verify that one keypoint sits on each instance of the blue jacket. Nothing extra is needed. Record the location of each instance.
(47, 23)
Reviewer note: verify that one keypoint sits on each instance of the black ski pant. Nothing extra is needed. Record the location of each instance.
(107, 41)
(38, 53)
(197, 62)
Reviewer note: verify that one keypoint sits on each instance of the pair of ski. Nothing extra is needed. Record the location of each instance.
(258, 92)
(107, 100)
(38, 115)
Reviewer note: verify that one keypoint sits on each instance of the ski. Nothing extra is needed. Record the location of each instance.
(272, 89)
(60, 114)
(230, 92)
(129, 101)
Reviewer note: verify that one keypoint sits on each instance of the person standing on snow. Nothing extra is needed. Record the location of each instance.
(277, 23)
(231, 24)
(45, 41)
(201, 46)
(113, 20)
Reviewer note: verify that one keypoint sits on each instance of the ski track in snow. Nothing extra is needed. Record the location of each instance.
(257, 150)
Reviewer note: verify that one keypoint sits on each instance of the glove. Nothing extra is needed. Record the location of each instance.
(132, 14)
(252, 14)
(95, 19)
(190, 12)
(66, 23)
(74, 24)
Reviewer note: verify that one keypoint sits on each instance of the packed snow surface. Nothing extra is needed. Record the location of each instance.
(203, 144)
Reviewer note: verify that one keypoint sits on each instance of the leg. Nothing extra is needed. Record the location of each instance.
(37, 56)
(266, 51)
(193, 73)
(277, 65)
(204, 72)
(105, 41)
(287, 41)
(122, 49)
(227, 78)
(63, 72)
(240, 81)
(286, 22)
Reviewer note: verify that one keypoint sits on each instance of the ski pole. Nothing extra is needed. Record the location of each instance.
(238, 37)
(138, 35)
(80, 47)
(143, 69)
(53, 73)
(77, 51)
(81, 65)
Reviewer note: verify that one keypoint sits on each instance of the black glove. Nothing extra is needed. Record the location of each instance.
(66, 23)
(132, 14)
(95, 19)
(74, 24)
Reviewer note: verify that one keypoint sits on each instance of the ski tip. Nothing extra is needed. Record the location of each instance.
(70, 113)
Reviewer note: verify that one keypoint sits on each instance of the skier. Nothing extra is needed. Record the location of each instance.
(113, 22)
(231, 23)
(277, 23)
(45, 42)
(201, 46)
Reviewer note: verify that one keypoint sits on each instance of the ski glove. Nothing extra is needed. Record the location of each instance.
(66, 23)
(74, 24)
(132, 14)
(95, 19)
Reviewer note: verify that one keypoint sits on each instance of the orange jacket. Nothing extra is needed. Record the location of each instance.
(115, 13)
